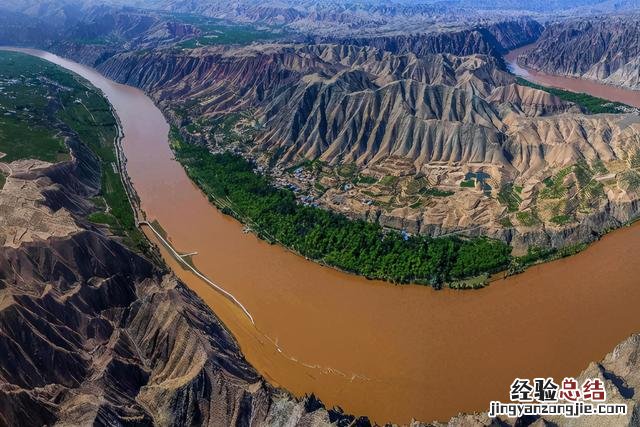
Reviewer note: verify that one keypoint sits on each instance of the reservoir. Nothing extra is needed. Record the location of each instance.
(392, 353)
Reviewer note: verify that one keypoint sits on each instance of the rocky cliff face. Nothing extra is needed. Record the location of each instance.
(607, 50)
(493, 39)
(125, 28)
(511, 34)
(419, 125)
(462, 42)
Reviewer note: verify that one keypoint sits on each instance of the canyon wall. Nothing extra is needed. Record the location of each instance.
(493, 39)
(604, 49)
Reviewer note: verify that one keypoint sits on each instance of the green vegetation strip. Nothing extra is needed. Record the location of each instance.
(356, 246)
(592, 104)
(48, 101)
(536, 255)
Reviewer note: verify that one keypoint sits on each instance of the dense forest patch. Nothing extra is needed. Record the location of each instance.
(356, 246)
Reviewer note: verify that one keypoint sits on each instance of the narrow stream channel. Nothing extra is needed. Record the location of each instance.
(392, 353)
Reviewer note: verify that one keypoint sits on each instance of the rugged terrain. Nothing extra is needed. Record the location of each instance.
(492, 39)
(132, 345)
(92, 332)
(607, 50)
(423, 133)
(395, 125)
(391, 137)
(93, 329)
(369, 18)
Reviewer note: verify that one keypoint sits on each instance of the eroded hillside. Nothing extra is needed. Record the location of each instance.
(604, 49)
(428, 144)
(92, 332)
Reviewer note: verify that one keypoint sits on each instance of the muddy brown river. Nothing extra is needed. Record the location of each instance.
(612, 93)
(392, 353)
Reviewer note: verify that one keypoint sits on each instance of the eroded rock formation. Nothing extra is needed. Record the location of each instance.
(604, 49)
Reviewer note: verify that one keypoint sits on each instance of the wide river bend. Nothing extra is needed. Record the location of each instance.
(392, 353)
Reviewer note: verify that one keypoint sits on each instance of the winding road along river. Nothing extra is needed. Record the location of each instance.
(389, 352)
